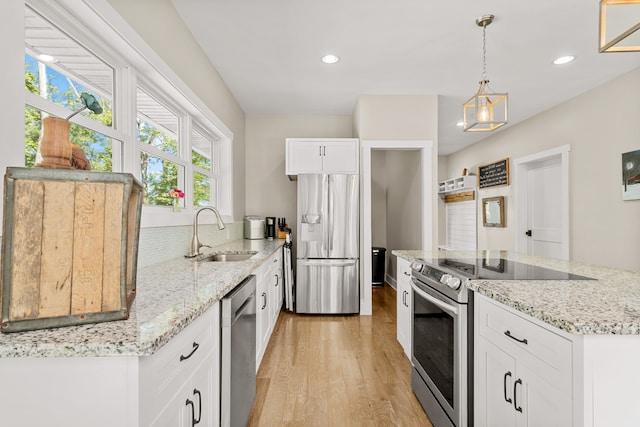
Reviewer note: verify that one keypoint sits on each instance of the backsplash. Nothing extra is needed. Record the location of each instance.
(160, 244)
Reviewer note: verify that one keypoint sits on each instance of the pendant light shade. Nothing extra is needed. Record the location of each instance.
(619, 26)
(486, 110)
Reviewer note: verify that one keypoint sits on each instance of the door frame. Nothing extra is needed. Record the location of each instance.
(521, 167)
(427, 180)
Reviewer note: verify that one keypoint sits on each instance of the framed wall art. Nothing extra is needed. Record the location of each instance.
(631, 175)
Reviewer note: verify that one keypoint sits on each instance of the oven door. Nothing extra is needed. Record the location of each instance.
(440, 348)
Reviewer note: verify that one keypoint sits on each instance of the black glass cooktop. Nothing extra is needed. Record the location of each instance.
(504, 269)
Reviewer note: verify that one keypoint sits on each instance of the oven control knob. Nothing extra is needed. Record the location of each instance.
(454, 283)
(445, 278)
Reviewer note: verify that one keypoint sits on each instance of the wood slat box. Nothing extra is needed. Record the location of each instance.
(69, 247)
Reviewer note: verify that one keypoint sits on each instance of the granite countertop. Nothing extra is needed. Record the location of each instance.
(169, 296)
(608, 305)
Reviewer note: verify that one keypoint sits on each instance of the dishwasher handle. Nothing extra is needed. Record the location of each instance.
(237, 302)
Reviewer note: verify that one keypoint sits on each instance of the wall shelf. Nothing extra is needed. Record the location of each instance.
(461, 183)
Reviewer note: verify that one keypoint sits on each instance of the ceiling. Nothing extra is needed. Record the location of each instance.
(268, 53)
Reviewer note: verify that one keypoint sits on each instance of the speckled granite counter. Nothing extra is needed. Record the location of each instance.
(169, 297)
(606, 306)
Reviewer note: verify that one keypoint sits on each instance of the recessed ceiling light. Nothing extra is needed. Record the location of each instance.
(330, 59)
(564, 60)
(460, 124)
(46, 58)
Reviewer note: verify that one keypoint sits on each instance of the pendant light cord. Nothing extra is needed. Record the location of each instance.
(484, 54)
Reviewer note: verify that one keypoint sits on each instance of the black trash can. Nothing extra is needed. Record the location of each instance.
(377, 266)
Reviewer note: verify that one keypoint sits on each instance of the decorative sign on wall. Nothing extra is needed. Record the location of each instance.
(631, 175)
(494, 174)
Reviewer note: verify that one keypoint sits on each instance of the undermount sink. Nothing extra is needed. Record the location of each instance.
(229, 257)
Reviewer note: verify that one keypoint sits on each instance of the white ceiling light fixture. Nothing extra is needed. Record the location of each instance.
(330, 59)
(46, 58)
(619, 26)
(485, 111)
(564, 60)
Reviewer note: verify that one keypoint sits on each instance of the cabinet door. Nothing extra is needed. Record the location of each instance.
(403, 305)
(542, 403)
(303, 156)
(262, 311)
(175, 413)
(276, 296)
(494, 386)
(204, 394)
(340, 156)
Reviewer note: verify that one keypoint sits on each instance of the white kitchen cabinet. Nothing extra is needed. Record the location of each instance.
(269, 298)
(313, 155)
(403, 305)
(127, 391)
(523, 370)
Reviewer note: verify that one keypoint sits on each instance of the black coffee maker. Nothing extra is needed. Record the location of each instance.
(271, 227)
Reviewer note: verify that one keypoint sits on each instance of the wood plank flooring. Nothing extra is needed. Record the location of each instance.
(337, 371)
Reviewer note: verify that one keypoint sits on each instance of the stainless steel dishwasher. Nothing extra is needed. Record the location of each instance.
(238, 370)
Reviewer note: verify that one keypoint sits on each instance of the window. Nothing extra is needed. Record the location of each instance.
(156, 129)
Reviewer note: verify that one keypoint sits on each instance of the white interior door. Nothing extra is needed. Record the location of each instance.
(542, 194)
(544, 209)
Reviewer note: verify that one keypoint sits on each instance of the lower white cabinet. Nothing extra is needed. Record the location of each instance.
(403, 304)
(125, 391)
(269, 299)
(523, 370)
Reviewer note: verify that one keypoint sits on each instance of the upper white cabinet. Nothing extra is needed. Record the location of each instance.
(403, 305)
(322, 155)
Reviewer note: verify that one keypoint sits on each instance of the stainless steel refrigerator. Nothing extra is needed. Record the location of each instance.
(327, 244)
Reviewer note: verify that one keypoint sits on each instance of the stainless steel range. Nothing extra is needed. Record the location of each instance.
(442, 328)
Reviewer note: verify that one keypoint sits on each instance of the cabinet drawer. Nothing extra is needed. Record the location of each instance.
(509, 330)
(164, 372)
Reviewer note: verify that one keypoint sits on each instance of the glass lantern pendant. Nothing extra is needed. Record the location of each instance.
(619, 26)
(486, 110)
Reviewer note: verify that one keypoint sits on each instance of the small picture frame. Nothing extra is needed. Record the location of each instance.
(493, 212)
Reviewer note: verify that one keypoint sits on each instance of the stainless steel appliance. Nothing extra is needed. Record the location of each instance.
(442, 328)
(254, 228)
(327, 245)
(238, 370)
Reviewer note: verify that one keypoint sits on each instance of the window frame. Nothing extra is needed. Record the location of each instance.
(96, 25)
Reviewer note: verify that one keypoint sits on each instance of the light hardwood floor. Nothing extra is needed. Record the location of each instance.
(337, 371)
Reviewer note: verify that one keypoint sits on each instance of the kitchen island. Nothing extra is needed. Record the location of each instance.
(131, 372)
(582, 348)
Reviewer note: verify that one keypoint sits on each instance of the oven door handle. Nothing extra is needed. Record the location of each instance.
(435, 301)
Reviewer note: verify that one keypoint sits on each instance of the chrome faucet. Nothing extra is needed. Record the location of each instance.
(195, 242)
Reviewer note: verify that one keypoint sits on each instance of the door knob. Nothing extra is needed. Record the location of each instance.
(528, 233)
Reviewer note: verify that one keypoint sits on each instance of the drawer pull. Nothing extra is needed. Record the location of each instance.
(406, 274)
(522, 341)
(195, 347)
(504, 383)
(264, 301)
(515, 396)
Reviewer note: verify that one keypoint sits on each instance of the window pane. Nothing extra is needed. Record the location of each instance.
(201, 148)
(157, 125)
(70, 70)
(159, 176)
(201, 190)
(97, 147)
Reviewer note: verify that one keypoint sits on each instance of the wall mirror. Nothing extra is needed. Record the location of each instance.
(493, 211)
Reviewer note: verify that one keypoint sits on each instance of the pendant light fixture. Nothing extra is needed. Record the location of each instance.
(485, 111)
(619, 26)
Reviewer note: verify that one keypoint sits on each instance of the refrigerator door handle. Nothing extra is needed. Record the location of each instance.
(318, 263)
(332, 217)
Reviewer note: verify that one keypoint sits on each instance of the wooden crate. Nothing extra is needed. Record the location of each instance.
(69, 247)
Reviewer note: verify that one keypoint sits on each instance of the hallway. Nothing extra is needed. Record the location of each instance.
(337, 371)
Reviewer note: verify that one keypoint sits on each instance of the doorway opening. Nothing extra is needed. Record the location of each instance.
(396, 203)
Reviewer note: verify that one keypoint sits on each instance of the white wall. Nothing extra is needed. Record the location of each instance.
(170, 38)
(379, 198)
(599, 125)
(398, 118)
(268, 190)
